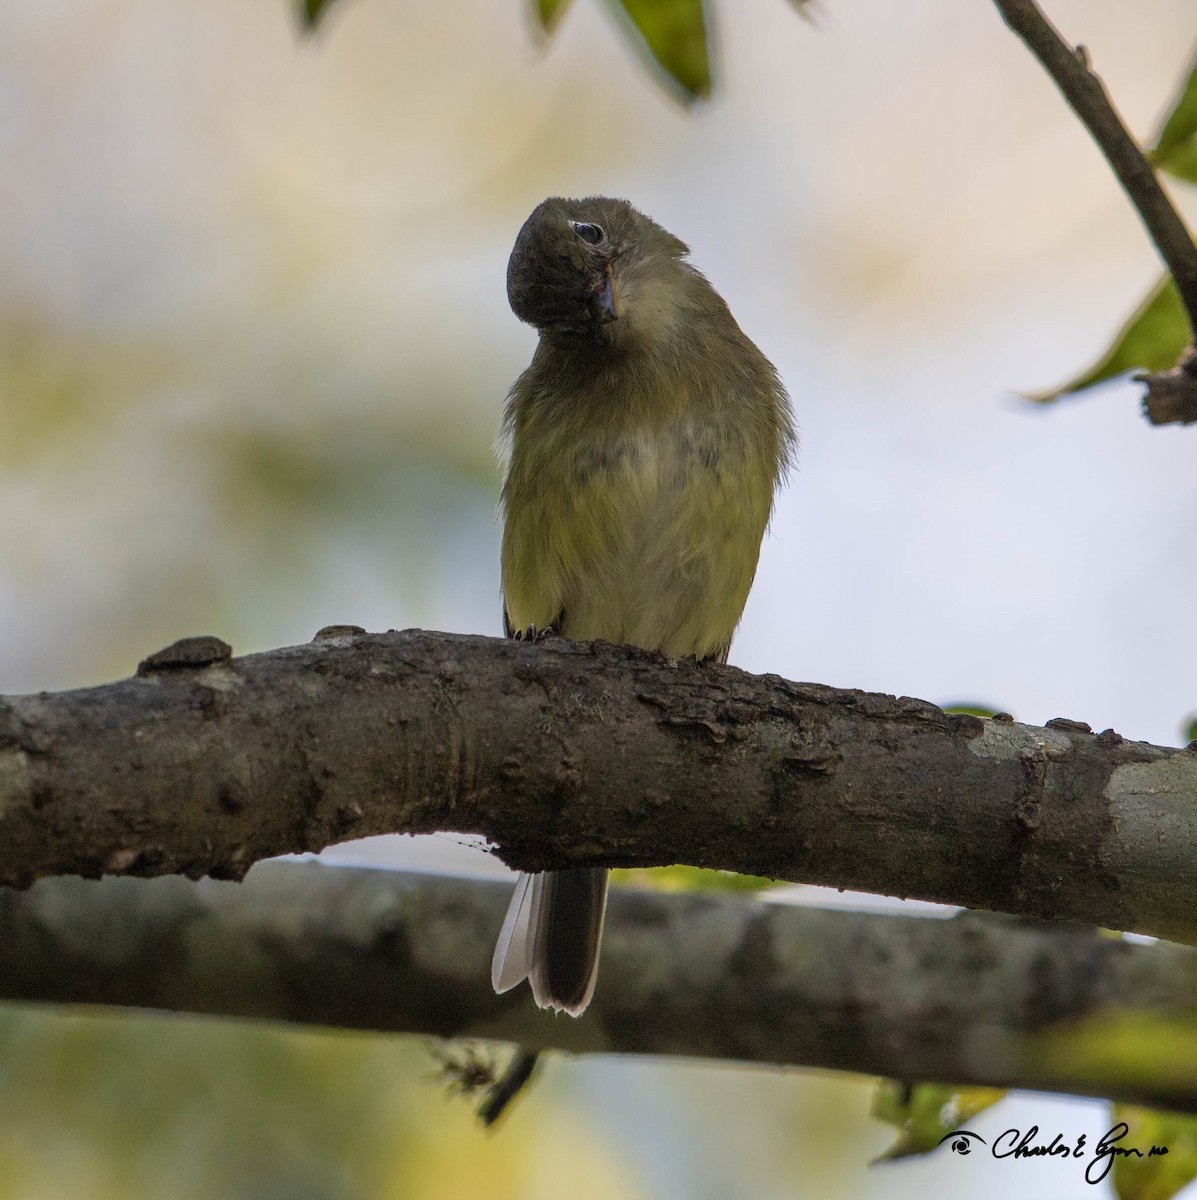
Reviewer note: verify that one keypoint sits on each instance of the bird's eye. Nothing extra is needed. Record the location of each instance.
(592, 234)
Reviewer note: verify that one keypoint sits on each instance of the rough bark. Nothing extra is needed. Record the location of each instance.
(976, 999)
(566, 753)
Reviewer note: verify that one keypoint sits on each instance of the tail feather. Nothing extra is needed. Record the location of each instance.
(551, 936)
(513, 951)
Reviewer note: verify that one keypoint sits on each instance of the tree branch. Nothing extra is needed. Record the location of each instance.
(586, 753)
(1171, 397)
(1069, 68)
(978, 999)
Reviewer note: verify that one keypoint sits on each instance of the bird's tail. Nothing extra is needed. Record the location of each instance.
(551, 937)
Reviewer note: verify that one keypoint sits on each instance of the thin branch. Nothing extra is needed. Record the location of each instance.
(1069, 68)
(569, 753)
(509, 1085)
(973, 1000)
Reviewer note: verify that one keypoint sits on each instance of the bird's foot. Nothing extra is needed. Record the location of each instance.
(534, 635)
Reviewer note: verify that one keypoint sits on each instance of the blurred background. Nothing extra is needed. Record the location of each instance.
(254, 342)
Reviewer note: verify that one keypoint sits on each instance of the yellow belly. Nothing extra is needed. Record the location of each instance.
(641, 539)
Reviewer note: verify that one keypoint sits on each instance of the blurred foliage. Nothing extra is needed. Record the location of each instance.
(1108, 1050)
(925, 1113)
(118, 1106)
(671, 35)
(970, 708)
(1160, 1176)
(1152, 340)
(549, 12)
(1175, 150)
(679, 878)
(1189, 729)
(58, 386)
(187, 502)
(332, 467)
(311, 12)
(674, 35)
(161, 1107)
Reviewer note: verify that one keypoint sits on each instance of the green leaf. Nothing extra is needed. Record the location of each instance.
(548, 13)
(690, 879)
(1176, 149)
(925, 1113)
(312, 12)
(1189, 729)
(674, 34)
(1154, 1176)
(970, 708)
(1152, 340)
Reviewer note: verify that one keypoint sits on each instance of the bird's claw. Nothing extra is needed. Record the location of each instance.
(534, 635)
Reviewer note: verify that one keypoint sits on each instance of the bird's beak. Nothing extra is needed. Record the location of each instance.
(606, 301)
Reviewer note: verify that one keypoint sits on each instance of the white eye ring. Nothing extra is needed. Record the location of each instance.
(590, 233)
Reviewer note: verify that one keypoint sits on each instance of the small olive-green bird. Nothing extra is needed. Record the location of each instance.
(647, 439)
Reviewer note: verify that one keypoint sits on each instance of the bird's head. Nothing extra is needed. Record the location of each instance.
(586, 266)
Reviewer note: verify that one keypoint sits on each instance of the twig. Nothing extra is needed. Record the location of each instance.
(1069, 68)
(505, 1089)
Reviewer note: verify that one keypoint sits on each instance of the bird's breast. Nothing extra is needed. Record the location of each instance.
(656, 540)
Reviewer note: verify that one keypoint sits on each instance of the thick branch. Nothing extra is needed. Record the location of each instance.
(1083, 90)
(588, 753)
(978, 999)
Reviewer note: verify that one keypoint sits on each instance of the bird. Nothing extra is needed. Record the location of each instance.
(645, 443)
